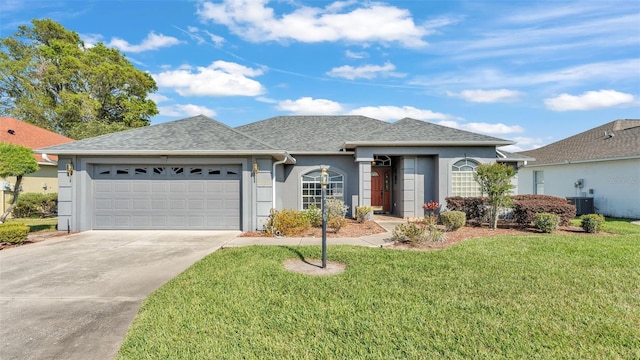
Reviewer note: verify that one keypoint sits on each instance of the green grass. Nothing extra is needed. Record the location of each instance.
(37, 225)
(534, 297)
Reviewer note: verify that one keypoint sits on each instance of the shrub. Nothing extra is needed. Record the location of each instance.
(31, 205)
(336, 223)
(546, 222)
(363, 213)
(453, 220)
(592, 223)
(288, 222)
(336, 208)
(408, 232)
(475, 208)
(313, 215)
(13, 233)
(436, 235)
(526, 206)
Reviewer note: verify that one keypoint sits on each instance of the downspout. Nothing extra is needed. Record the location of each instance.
(273, 177)
(46, 158)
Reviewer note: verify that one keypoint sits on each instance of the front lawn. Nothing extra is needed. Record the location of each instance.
(539, 296)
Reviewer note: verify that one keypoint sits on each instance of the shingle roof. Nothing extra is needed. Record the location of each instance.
(18, 132)
(195, 134)
(311, 133)
(412, 131)
(616, 139)
(502, 155)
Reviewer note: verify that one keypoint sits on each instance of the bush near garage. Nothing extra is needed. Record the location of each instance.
(13, 233)
(36, 205)
(287, 222)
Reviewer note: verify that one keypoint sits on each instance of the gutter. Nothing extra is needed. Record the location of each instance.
(48, 161)
(566, 162)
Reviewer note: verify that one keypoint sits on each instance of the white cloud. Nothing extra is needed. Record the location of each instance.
(221, 78)
(158, 98)
(153, 41)
(338, 21)
(366, 71)
(588, 100)
(185, 110)
(483, 128)
(619, 70)
(487, 96)
(396, 112)
(355, 55)
(310, 106)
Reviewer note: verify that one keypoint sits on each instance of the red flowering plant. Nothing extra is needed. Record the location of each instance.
(431, 212)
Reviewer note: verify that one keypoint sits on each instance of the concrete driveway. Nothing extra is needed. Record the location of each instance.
(74, 297)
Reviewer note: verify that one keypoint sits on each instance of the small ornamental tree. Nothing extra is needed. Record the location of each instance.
(495, 182)
(15, 161)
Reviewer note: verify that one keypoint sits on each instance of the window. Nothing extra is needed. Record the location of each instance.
(312, 189)
(462, 180)
(538, 179)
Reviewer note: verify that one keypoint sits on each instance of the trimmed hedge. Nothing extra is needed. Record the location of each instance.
(453, 220)
(546, 222)
(525, 208)
(475, 208)
(36, 205)
(13, 233)
(592, 223)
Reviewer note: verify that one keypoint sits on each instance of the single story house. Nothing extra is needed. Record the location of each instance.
(197, 173)
(45, 180)
(600, 166)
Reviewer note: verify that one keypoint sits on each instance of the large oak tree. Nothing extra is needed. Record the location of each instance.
(49, 78)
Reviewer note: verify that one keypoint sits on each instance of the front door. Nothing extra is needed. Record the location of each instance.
(381, 190)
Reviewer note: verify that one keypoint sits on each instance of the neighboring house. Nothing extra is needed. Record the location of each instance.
(601, 164)
(197, 173)
(45, 180)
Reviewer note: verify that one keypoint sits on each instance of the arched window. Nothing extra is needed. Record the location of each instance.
(312, 188)
(462, 182)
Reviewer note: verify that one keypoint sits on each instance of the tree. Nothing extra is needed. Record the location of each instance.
(49, 78)
(15, 161)
(495, 181)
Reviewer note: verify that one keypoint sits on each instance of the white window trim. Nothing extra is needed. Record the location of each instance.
(301, 183)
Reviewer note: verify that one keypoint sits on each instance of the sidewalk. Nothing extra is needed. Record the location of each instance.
(375, 240)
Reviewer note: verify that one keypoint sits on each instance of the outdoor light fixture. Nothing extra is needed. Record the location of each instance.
(255, 168)
(69, 168)
(324, 181)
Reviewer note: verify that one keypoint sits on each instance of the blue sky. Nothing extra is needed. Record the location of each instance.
(530, 71)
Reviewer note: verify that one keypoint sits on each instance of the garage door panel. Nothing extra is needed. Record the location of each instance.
(161, 197)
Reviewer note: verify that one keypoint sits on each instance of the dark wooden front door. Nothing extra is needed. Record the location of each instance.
(381, 190)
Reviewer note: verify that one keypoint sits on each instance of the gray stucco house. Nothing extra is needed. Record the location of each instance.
(197, 173)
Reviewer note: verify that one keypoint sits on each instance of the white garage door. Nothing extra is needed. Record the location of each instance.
(166, 197)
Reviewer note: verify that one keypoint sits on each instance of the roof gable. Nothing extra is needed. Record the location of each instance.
(18, 132)
(198, 133)
(312, 133)
(616, 139)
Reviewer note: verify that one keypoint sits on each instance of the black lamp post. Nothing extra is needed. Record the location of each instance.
(324, 180)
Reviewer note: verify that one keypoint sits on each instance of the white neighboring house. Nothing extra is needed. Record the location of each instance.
(602, 164)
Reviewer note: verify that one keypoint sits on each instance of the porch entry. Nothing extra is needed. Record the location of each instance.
(381, 184)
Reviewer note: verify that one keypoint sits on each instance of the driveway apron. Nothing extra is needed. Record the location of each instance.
(74, 297)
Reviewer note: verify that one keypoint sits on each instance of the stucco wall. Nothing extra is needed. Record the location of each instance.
(33, 183)
(615, 184)
(289, 184)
